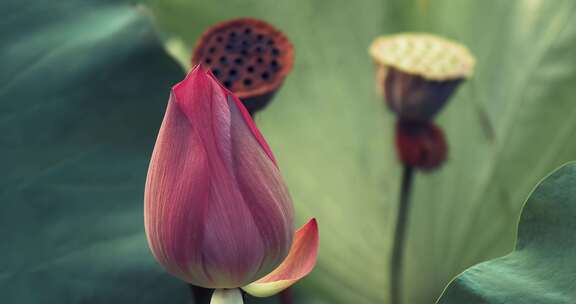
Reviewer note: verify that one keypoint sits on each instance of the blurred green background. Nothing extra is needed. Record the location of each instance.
(84, 83)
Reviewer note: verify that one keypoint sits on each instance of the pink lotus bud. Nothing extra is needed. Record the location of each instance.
(217, 212)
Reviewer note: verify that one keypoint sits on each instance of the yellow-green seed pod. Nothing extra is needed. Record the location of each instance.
(418, 72)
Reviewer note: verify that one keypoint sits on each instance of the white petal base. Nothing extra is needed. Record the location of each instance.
(227, 296)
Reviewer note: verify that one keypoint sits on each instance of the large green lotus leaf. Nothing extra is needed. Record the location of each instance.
(541, 268)
(507, 127)
(83, 87)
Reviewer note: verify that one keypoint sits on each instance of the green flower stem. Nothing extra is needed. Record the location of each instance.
(400, 236)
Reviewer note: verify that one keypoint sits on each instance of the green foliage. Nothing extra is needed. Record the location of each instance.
(83, 89)
(541, 268)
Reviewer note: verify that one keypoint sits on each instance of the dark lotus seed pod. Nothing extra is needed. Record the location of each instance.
(417, 73)
(249, 56)
(420, 144)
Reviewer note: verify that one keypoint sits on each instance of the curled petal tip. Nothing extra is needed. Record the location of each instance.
(300, 261)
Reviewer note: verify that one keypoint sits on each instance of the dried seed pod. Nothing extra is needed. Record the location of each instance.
(420, 144)
(417, 73)
(249, 56)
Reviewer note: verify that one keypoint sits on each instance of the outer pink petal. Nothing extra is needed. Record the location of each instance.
(299, 263)
(217, 212)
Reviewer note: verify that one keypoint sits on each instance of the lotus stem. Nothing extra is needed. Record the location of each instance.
(400, 236)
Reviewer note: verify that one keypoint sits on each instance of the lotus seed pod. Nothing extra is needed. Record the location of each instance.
(249, 56)
(417, 73)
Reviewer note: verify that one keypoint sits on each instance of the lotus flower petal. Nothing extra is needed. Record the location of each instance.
(217, 211)
(299, 263)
